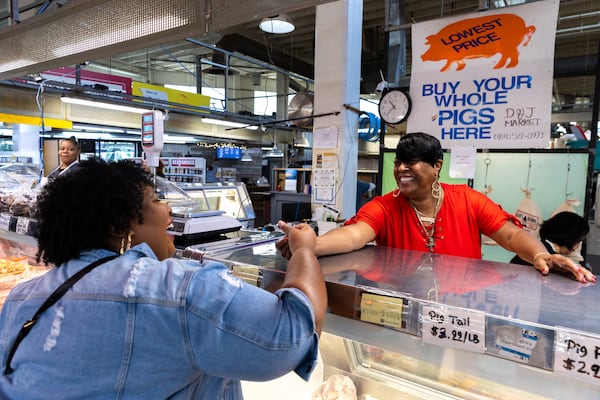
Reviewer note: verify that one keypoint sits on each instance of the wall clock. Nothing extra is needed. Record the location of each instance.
(394, 106)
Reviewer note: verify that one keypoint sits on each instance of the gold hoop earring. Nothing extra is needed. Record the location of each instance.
(396, 194)
(125, 244)
(436, 189)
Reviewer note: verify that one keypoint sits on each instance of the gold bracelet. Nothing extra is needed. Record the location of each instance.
(543, 253)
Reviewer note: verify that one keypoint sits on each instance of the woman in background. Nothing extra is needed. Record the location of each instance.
(68, 154)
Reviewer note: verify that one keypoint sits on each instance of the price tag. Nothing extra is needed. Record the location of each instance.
(577, 356)
(4, 221)
(453, 327)
(22, 225)
(382, 310)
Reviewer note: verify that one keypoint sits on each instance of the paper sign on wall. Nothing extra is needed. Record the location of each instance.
(324, 186)
(325, 138)
(462, 162)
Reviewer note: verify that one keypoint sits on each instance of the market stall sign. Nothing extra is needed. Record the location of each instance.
(177, 98)
(381, 310)
(453, 327)
(577, 356)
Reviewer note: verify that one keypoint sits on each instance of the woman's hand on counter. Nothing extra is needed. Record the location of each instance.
(283, 245)
(546, 262)
(303, 237)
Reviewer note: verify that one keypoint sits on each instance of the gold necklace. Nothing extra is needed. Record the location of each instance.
(429, 233)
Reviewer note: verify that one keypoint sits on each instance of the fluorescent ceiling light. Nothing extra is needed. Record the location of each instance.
(228, 123)
(86, 135)
(107, 106)
(179, 139)
(98, 128)
(277, 24)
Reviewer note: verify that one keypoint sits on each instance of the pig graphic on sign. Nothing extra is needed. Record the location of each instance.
(481, 37)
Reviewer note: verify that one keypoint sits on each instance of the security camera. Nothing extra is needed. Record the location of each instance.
(381, 86)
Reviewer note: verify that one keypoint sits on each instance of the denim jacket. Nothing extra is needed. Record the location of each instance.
(139, 328)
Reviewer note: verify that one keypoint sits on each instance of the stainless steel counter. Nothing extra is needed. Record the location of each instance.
(507, 331)
(389, 299)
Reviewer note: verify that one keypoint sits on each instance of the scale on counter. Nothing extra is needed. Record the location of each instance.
(193, 222)
(194, 225)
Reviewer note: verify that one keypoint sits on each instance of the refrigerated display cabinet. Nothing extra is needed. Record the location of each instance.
(411, 325)
(230, 197)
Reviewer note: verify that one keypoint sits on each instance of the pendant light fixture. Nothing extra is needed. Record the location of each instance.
(277, 24)
(274, 152)
(246, 157)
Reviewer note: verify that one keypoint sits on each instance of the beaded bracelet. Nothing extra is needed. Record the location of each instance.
(543, 253)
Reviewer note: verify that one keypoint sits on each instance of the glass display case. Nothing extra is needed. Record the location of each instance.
(230, 197)
(411, 325)
(23, 173)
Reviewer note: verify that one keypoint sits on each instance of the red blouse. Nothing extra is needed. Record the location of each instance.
(464, 215)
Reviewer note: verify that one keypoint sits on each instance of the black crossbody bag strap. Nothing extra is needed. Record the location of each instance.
(53, 298)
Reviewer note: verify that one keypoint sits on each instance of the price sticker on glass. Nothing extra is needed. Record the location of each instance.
(453, 327)
(22, 227)
(577, 356)
(4, 221)
(382, 310)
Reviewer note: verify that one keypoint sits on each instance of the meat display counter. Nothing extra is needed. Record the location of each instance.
(411, 325)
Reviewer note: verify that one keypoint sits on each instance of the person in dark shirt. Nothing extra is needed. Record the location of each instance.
(562, 234)
(362, 187)
(68, 153)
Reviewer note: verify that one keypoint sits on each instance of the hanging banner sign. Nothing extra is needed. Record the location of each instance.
(177, 98)
(485, 80)
(96, 80)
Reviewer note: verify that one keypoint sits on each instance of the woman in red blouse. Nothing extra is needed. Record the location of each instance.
(424, 214)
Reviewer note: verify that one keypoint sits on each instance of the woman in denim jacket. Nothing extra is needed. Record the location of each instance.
(145, 325)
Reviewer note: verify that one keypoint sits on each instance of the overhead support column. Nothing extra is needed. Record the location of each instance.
(26, 141)
(283, 83)
(338, 42)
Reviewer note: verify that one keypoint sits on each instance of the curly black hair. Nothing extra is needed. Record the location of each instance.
(81, 210)
(419, 146)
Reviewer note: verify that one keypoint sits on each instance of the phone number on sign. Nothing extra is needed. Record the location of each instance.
(518, 136)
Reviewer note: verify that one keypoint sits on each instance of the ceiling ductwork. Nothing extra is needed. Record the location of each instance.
(219, 65)
(236, 43)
